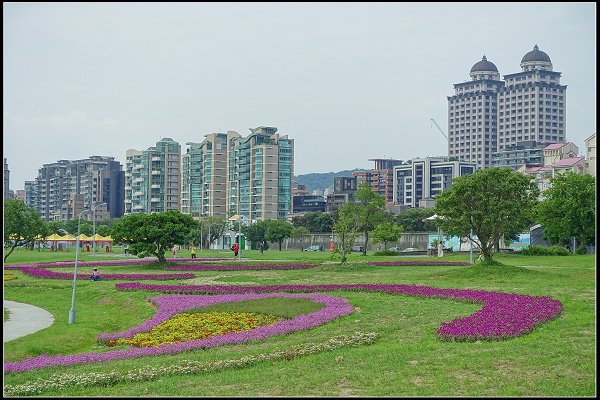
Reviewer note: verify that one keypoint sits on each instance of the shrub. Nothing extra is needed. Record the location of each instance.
(545, 251)
(386, 253)
(581, 250)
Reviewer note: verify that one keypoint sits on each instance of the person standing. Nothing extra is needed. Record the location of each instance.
(174, 251)
(193, 251)
(236, 249)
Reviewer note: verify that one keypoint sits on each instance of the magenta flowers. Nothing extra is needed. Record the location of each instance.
(503, 315)
(44, 273)
(170, 305)
(426, 262)
(208, 267)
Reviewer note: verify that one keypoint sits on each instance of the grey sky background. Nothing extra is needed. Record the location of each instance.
(347, 81)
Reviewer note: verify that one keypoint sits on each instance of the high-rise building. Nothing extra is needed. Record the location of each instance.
(423, 178)
(381, 179)
(204, 177)
(152, 178)
(260, 168)
(487, 115)
(98, 179)
(590, 145)
(514, 156)
(6, 176)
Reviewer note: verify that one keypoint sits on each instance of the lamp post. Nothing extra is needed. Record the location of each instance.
(94, 223)
(72, 312)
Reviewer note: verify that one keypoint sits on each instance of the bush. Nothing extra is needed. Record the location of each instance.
(545, 251)
(581, 250)
(386, 253)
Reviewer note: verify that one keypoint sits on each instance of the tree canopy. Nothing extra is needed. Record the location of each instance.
(371, 210)
(412, 220)
(278, 230)
(315, 222)
(346, 228)
(568, 209)
(256, 233)
(153, 234)
(22, 225)
(492, 202)
(387, 232)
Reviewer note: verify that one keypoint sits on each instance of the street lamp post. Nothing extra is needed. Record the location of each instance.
(72, 312)
(94, 223)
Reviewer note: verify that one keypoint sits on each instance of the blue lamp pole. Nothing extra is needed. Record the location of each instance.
(72, 312)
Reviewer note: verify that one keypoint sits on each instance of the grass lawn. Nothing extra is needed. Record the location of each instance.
(556, 359)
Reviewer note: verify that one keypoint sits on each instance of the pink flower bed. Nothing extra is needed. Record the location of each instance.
(426, 262)
(44, 273)
(171, 305)
(99, 263)
(208, 267)
(503, 315)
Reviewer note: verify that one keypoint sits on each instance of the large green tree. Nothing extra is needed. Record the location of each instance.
(22, 226)
(346, 227)
(568, 209)
(387, 232)
(256, 233)
(153, 234)
(492, 202)
(371, 210)
(315, 222)
(413, 220)
(278, 230)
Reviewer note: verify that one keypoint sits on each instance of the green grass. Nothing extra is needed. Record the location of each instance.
(556, 359)
(284, 308)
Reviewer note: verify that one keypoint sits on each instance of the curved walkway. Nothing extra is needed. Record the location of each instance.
(24, 319)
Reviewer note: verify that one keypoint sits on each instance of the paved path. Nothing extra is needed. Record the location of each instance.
(24, 319)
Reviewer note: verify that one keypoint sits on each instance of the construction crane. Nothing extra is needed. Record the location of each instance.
(436, 124)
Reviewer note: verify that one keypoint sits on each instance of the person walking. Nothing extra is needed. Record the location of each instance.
(193, 251)
(236, 249)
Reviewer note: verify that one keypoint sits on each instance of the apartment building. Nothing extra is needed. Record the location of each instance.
(259, 174)
(152, 178)
(6, 176)
(97, 179)
(423, 178)
(381, 178)
(590, 145)
(487, 115)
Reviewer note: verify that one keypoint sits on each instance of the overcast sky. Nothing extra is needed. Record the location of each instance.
(347, 81)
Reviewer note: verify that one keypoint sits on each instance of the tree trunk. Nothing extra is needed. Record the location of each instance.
(366, 243)
(11, 250)
(280, 244)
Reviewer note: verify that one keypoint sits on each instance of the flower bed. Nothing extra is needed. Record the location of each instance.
(424, 263)
(502, 316)
(9, 277)
(44, 273)
(191, 326)
(171, 305)
(57, 264)
(208, 267)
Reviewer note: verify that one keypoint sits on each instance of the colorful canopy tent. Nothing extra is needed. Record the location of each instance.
(100, 238)
(68, 238)
(55, 237)
(85, 238)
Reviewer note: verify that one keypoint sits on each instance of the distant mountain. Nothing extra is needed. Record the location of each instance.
(322, 180)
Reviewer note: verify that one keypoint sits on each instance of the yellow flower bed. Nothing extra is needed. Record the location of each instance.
(184, 327)
(9, 277)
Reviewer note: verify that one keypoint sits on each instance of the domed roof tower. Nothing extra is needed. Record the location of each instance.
(484, 69)
(536, 60)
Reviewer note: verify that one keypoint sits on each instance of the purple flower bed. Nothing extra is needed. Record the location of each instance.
(425, 263)
(208, 267)
(44, 273)
(171, 305)
(503, 315)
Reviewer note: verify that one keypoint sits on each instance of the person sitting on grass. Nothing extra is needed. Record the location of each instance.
(95, 275)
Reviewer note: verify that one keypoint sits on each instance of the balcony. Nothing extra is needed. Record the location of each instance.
(155, 200)
(156, 158)
(156, 172)
(138, 193)
(154, 186)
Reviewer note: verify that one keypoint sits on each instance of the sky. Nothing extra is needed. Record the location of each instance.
(347, 81)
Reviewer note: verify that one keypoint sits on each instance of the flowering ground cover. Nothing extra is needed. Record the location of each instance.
(9, 277)
(191, 326)
(37, 272)
(503, 315)
(233, 267)
(99, 263)
(170, 305)
(424, 263)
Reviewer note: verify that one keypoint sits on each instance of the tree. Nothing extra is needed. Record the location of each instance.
(278, 230)
(300, 232)
(256, 233)
(371, 210)
(346, 227)
(214, 227)
(568, 209)
(153, 234)
(386, 232)
(491, 202)
(412, 220)
(22, 225)
(315, 222)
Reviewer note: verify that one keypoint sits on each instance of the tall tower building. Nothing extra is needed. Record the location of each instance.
(204, 177)
(152, 178)
(487, 115)
(532, 104)
(6, 176)
(259, 174)
(472, 115)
